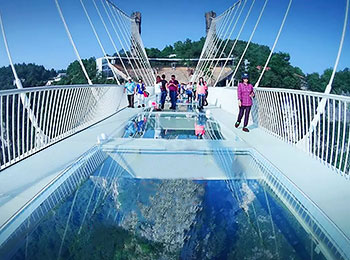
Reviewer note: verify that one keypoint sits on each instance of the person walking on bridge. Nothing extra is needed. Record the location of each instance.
(164, 91)
(140, 88)
(158, 91)
(173, 88)
(130, 88)
(245, 93)
(201, 92)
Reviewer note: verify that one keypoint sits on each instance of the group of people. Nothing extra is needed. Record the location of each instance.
(164, 88)
(178, 91)
(139, 89)
(199, 92)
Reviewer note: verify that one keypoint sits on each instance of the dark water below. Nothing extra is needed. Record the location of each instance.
(112, 217)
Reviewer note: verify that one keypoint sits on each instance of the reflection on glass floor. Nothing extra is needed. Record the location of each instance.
(113, 216)
(173, 125)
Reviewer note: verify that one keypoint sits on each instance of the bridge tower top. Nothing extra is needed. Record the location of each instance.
(209, 16)
(137, 17)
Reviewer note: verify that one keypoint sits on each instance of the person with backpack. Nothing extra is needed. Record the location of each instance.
(164, 91)
(140, 89)
(245, 94)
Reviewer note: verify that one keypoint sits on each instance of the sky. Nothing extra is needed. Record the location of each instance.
(36, 34)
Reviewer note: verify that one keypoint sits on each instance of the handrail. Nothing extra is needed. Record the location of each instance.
(302, 92)
(288, 114)
(42, 88)
(60, 112)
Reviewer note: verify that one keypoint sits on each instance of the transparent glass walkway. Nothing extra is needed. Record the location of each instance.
(158, 177)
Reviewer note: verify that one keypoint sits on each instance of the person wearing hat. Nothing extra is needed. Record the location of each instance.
(245, 93)
(130, 88)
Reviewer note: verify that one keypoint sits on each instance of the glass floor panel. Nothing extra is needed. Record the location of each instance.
(172, 125)
(112, 216)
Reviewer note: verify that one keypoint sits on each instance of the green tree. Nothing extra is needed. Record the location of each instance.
(31, 75)
(75, 74)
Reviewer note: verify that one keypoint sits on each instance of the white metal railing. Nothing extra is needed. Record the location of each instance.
(315, 122)
(50, 114)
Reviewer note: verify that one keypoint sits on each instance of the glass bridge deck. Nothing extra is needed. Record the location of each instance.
(109, 209)
(113, 215)
(167, 125)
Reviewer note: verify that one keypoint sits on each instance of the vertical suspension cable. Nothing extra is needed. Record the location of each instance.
(211, 38)
(72, 42)
(24, 99)
(275, 43)
(246, 47)
(98, 39)
(322, 105)
(117, 34)
(111, 39)
(126, 33)
(217, 34)
(229, 37)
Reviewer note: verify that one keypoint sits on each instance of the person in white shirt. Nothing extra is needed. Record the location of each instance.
(158, 91)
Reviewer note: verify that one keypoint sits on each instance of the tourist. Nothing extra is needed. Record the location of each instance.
(158, 92)
(189, 93)
(199, 126)
(140, 88)
(173, 89)
(164, 91)
(130, 88)
(206, 94)
(194, 90)
(201, 89)
(245, 93)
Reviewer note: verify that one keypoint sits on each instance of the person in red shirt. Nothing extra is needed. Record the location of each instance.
(173, 88)
(245, 93)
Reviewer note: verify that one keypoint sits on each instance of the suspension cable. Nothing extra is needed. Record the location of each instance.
(98, 40)
(247, 45)
(111, 39)
(274, 45)
(73, 44)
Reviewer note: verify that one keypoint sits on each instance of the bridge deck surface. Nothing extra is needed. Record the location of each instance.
(22, 181)
(325, 188)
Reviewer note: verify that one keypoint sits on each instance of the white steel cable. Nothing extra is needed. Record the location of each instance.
(322, 104)
(246, 47)
(126, 21)
(117, 34)
(138, 46)
(98, 39)
(153, 76)
(217, 32)
(234, 27)
(275, 43)
(217, 35)
(24, 98)
(125, 33)
(211, 39)
(111, 39)
(208, 38)
(215, 29)
(72, 42)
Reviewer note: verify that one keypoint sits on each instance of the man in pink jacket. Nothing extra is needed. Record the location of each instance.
(245, 93)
